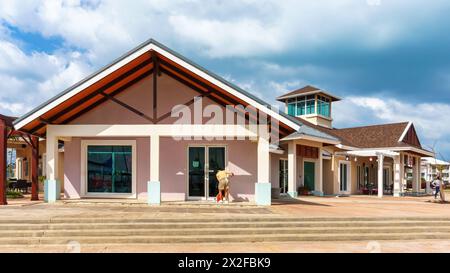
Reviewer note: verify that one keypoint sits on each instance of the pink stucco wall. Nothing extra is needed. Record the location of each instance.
(173, 154)
(241, 157)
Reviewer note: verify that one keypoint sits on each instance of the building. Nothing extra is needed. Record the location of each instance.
(122, 137)
(431, 167)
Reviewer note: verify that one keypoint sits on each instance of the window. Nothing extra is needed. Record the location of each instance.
(343, 175)
(301, 110)
(292, 109)
(109, 169)
(302, 106)
(323, 106)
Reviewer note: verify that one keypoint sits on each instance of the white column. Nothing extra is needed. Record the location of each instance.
(51, 185)
(416, 176)
(397, 176)
(292, 169)
(52, 157)
(154, 185)
(154, 158)
(263, 187)
(380, 175)
(318, 184)
(263, 160)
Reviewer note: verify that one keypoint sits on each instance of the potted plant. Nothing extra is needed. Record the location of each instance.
(303, 190)
(41, 180)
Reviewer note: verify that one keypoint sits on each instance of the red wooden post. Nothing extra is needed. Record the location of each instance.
(3, 149)
(34, 168)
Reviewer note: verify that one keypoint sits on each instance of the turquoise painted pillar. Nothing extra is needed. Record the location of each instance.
(263, 194)
(293, 194)
(317, 193)
(154, 193)
(52, 191)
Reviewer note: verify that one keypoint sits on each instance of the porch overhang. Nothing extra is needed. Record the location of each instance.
(372, 153)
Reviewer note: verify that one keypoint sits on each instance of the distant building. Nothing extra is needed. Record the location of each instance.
(429, 169)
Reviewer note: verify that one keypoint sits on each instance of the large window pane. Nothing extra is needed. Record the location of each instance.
(310, 107)
(99, 172)
(109, 169)
(122, 173)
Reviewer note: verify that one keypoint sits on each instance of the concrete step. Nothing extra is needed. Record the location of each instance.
(213, 226)
(221, 238)
(222, 219)
(217, 232)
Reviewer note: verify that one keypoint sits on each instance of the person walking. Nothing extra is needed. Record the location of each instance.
(437, 185)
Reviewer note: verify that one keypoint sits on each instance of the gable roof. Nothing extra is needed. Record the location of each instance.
(140, 63)
(152, 45)
(374, 136)
(307, 90)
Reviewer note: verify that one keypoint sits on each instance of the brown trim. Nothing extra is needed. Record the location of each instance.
(126, 106)
(93, 94)
(3, 160)
(35, 168)
(102, 100)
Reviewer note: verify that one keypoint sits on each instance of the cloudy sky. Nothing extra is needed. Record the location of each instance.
(389, 60)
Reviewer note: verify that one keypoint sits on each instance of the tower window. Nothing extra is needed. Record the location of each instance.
(323, 106)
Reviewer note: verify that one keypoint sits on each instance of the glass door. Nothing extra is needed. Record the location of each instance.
(216, 160)
(309, 172)
(283, 176)
(197, 170)
(203, 183)
(343, 177)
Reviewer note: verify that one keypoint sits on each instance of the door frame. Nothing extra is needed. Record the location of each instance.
(279, 172)
(349, 176)
(314, 161)
(389, 176)
(206, 173)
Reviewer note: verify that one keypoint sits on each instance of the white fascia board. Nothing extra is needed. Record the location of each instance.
(394, 149)
(83, 86)
(172, 57)
(405, 132)
(225, 87)
(312, 138)
(344, 147)
(310, 93)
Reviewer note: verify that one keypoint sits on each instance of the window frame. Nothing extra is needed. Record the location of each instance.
(84, 175)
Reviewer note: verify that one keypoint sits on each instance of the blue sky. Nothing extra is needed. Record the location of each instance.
(388, 60)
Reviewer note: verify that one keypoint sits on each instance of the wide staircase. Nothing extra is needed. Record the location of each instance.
(125, 230)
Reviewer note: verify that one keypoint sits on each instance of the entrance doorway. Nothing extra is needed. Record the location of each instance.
(283, 176)
(344, 177)
(386, 178)
(309, 174)
(204, 163)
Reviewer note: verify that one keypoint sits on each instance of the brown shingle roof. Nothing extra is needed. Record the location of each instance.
(374, 136)
(309, 89)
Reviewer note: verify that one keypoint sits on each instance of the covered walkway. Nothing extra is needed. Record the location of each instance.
(7, 133)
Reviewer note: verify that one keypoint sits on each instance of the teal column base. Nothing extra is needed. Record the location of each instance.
(52, 191)
(292, 194)
(154, 193)
(263, 194)
(317, 193)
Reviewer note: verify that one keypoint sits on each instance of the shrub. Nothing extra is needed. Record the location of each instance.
(14, 194)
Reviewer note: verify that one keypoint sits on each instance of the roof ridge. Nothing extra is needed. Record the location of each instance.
(373, 125)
